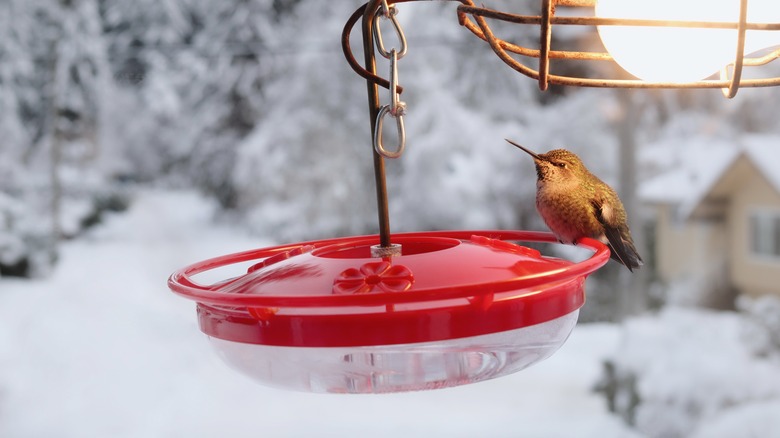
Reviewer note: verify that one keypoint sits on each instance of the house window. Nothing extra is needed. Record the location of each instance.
(765, 233)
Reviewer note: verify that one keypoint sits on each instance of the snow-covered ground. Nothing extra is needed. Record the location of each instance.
(700, 373)
(102, 348)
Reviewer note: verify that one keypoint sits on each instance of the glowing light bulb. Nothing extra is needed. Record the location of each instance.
(676, 54)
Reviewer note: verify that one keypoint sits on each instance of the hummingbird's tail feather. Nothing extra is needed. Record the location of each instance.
(613, 220)
(622, 248)
(617, 233)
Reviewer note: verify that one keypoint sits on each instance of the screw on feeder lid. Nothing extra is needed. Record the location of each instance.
(334, 293)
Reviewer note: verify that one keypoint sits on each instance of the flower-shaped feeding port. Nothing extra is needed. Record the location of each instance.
(375, 276)
(455, 307)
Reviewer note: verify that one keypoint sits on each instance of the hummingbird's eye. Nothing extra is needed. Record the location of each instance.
(561, 164)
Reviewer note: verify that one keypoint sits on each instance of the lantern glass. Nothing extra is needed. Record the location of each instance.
(680, 54)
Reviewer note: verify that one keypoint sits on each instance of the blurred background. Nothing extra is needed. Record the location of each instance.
(138, 137)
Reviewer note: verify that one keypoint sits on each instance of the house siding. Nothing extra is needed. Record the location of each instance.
(688, 248)
(695, 254)
(752, 274)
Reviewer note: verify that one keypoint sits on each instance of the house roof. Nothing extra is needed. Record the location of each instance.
(689, 169)
(699, 165)
(764, 152)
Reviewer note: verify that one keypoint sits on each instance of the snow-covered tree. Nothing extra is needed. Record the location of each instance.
(51, 82)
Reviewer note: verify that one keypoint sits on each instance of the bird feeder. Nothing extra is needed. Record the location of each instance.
(328, 316)
(412, 311)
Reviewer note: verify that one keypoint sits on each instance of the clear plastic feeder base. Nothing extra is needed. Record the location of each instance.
(398, 368)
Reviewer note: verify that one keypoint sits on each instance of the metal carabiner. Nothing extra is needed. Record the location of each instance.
(395, 109)
(379, 146)
(380, 45)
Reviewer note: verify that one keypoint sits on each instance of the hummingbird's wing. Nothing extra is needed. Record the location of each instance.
(618, 235)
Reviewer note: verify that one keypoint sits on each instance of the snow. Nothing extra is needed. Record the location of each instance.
(689, 171)
(696, 368)
(750, 420)
(102, 348)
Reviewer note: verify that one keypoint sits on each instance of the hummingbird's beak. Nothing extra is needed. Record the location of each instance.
(531, 153)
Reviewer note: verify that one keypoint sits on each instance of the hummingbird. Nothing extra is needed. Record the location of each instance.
(575, 203)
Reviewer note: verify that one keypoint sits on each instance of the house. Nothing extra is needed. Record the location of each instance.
(717, 218)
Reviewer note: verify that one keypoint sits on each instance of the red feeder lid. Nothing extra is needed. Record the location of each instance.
(332, 293)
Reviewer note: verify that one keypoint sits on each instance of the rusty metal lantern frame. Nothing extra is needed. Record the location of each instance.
(473, 18)
(547, 20)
